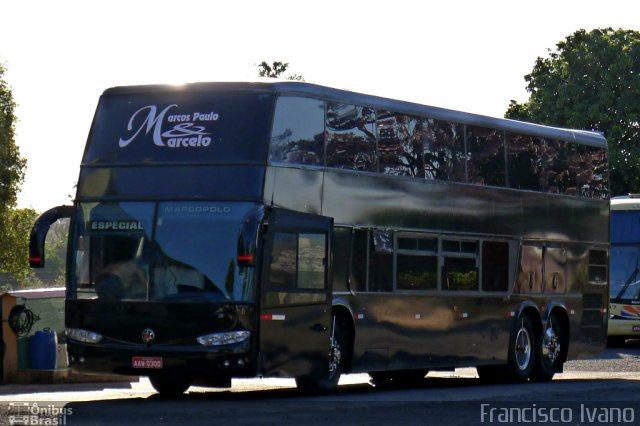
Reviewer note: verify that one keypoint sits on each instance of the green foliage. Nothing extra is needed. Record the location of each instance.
(55, 254)
(417, 280)
(15, 272)
(14, 242)
(11, 164)
(592, 82)
(457, 280)
(14, 224)
(275, 70)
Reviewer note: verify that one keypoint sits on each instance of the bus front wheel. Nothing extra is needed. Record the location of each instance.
(338, 355)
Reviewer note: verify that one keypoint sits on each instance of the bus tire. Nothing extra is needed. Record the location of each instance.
(338, 354)
(522, 350)
(552, 348)
(170, 386)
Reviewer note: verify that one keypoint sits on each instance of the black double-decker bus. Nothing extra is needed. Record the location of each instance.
(286, 229)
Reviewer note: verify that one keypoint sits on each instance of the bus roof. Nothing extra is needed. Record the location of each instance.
(313, 90)
(626, 202)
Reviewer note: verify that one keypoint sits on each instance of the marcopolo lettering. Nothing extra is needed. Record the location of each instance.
(199, 209)
(116, 225)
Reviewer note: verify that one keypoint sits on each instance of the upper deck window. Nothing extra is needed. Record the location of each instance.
(180, 126)
(351, 140)
(444, 152)
(485, 156)
(341, 135)
(528, 161)
(560, 167)
(298, 131)
(400, 144)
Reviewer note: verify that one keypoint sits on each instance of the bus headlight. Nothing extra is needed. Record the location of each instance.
(84, 336)
(218, 339)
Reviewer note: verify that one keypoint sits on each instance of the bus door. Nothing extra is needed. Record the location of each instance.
(295, 296)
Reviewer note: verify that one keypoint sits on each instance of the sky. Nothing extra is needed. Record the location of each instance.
(466, 55)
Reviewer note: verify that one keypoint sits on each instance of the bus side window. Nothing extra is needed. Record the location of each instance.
(485, 156)
(460, 266)
(341, 257)
(443, 151)
(358, 276)
(351, 141)
(298, 131)
(416, 263)
(381, 261)
(297, 269)
(400, 151)
(284, 263)
(495, 266)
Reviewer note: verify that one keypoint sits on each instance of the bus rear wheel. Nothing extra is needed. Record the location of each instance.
(170, 386)
(551, 349)
(522, 351)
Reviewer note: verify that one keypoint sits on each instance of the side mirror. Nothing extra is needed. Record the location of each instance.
(39, 233)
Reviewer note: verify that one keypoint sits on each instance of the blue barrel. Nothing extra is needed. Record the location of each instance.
(43, 347)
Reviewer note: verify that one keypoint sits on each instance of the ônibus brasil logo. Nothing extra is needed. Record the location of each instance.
(184, 133)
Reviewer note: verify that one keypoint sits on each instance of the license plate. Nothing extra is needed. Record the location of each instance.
(146, 362)
(636, 328)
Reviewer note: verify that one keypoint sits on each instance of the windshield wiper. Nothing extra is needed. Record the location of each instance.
(632, 278)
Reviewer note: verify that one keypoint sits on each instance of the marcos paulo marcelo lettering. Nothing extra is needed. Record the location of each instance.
(187, 131)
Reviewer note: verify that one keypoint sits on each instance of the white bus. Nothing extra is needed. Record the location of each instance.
(624, 314)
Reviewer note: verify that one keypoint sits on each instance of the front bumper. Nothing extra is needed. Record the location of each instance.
(629, 328)
(193, 361)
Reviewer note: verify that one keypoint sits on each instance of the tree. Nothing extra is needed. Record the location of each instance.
(14, 224)
(592, 82)
(275, 70)
(14, 252)
(55, 253)
(14, 243)
(11, 164)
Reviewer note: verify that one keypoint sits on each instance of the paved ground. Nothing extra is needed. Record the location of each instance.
(600, 385)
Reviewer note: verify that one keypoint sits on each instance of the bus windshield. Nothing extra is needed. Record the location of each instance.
(173, 251)
(625, 273)
(625, 256)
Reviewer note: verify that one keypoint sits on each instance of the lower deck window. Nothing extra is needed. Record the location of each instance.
(381, 261)
(386, 261)
(459, 273)
(416, 272)
(495, 266)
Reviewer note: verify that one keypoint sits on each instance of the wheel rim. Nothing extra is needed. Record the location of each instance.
(523, 348)
(335, 356)
(550, 345)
